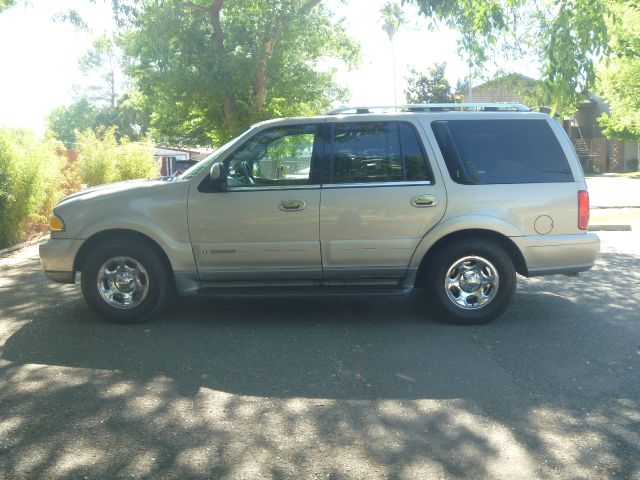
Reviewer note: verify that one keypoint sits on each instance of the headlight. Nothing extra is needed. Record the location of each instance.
(56, 224)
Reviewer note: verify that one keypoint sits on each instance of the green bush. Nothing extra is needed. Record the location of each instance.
(104, 159)
(30, 179)
(35, 174)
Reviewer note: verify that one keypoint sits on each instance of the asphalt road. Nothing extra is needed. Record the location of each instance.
(325, 388)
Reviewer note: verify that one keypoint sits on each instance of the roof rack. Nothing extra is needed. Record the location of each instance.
(437, 107)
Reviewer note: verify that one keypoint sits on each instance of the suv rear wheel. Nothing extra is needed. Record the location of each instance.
(125, 281)
(471, 282)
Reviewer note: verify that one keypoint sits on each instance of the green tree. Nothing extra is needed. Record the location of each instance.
(619, 78)
(567, 35)
(100, 64)
(619, 85)
(530, 91)
(63, 121)
(209, 68)
(5, 4)
(100, 100)
(429, 87)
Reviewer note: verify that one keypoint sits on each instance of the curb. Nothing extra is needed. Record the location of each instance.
(19, 246)
(595, 207)
(609, 228)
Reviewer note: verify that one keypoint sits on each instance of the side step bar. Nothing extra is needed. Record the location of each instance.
(336, 290)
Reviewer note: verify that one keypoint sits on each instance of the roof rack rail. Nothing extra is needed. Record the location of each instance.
(436, 107)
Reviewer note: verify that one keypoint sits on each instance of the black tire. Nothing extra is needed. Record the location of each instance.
(482, 256)
(152, 278)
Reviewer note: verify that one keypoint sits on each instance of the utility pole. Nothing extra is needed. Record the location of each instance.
(470, 97)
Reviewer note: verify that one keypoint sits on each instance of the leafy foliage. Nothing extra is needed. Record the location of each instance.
(63, 121)
(30, 179)
(130, 117)
(392, 17)
(104, 159)
(530, 91)
(431, 86)
(619, 85)
(101, 101)
(619, 79)
(567, 36)
(209, 68)
(101, 61)
(5, 4)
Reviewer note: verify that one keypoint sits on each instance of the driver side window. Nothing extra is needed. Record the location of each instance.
(278, 156)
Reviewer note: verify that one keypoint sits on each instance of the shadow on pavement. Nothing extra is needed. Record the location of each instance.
(348, 387)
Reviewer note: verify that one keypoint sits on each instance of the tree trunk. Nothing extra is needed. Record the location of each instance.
(260, 84)
(217, 37)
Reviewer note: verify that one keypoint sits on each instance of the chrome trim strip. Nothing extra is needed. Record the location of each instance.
(376, 184)
(271, 187)
(328, 185)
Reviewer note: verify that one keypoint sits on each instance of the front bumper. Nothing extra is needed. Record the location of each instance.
(568, 254)
(57, 256)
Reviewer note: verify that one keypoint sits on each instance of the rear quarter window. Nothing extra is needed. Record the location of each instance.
(481, 152)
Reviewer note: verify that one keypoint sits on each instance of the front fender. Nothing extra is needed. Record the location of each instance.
(178, 250)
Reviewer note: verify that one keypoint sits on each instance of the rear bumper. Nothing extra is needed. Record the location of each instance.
(57, 256)
(546, 255)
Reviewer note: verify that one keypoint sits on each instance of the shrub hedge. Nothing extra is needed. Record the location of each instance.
(35, 174)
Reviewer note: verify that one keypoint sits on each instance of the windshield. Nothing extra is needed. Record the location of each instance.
(208, 161)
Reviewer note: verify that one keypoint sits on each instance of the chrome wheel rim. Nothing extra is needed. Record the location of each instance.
(123, 282)
(472, 282)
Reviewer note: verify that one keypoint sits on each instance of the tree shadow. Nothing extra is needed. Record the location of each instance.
(333, 387)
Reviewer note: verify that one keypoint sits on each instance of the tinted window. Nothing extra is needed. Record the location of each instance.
(414, 158)
(501, 151)
(377, 152)
(366, 152)
(277, 156)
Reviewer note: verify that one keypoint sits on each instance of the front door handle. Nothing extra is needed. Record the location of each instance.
(421, 201)
(292, 205)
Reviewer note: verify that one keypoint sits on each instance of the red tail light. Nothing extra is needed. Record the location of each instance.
(583, 210)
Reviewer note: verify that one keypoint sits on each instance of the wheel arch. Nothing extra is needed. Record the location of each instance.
(476, 233)
(113, 234)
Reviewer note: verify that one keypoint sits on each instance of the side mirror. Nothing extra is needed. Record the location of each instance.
(218, 174)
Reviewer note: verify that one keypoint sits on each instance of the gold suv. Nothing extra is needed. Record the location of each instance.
(451, 199)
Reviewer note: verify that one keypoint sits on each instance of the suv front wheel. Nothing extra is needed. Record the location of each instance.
(471, 282)
(125, 281)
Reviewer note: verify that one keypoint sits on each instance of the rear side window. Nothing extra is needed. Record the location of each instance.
(501, 151)
(373, 152)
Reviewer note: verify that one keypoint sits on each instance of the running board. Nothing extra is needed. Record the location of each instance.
(340, 290)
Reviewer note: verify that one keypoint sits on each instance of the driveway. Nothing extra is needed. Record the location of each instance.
(334, 388)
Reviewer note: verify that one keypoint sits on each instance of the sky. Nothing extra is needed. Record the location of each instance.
(40, 56)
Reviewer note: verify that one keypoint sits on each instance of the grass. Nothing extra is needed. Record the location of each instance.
(630, 175)
(635, 175)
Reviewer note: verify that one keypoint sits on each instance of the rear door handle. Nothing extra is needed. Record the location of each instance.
(421, 201)
(292, 205)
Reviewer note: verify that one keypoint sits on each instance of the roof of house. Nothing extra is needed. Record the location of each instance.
(500, 89)
(159, 148)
